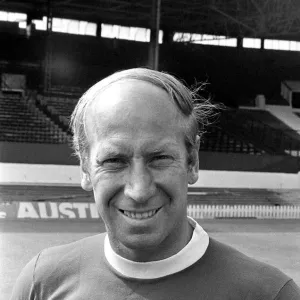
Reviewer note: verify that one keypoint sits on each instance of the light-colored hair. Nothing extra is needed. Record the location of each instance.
(196, 111)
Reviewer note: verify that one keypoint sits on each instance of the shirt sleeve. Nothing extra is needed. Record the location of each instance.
(24, 286)
(290, 291)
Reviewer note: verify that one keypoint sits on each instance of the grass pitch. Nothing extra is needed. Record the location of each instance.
(276, 242)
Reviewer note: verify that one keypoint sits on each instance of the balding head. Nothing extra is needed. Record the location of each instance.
(180, 96)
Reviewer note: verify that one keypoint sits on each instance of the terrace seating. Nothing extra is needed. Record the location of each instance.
(261, 129)
(22, 122)
(267, 118)
(218, 140)
(61, 107)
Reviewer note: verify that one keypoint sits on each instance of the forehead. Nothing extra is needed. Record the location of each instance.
(131, 93)
(135, 107)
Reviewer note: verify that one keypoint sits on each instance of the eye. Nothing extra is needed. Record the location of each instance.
(161, 160)
(161, 157)
(114, 163)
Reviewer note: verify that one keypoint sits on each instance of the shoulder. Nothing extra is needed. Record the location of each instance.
(289, 291)
(243, 272)
(56, 266)
(68, 255)
(74, 247)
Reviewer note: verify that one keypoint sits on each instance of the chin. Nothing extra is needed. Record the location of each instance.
(141, 247)
(142, 241)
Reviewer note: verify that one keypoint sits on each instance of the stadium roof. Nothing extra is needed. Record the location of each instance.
(261, 18)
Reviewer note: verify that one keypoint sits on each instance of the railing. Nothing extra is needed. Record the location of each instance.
(243, 211)
(76, 92)
(273, 139)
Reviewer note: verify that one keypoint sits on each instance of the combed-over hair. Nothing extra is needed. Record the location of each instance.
(196, 111)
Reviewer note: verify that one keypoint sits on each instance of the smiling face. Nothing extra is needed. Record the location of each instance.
(138, 170)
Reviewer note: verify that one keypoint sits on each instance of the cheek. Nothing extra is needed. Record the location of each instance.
(105, 189)
(174, 182)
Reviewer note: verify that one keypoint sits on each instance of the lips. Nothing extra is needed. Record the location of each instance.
(139, 215)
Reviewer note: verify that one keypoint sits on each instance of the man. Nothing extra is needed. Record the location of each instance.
(136, 135)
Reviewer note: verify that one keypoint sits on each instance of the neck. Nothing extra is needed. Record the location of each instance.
(156, 252)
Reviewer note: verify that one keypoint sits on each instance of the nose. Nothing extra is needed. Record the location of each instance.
(139, 184)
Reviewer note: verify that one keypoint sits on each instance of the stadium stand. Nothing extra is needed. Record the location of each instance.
(269, 119)
(22, 121)
(58, 107)
(253, 132)
(218, 140)
(262, 130)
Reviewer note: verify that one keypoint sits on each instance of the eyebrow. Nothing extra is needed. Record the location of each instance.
(161, 149)
(117, 149)
(110, 151)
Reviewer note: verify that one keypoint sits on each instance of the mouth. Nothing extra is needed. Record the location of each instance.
(140, 215)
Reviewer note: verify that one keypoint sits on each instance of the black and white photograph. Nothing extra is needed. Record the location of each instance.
(149, 150)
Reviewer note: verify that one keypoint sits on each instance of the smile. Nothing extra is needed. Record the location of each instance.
(139, 215)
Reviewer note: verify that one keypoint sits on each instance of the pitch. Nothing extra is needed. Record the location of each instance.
(276, 242)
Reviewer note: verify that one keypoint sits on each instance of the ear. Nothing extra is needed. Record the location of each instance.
(86, 183)
(193, 167)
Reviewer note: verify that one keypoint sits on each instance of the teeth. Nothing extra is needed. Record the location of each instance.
(140, 216)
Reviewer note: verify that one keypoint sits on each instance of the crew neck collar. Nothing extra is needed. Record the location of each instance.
(186, 257)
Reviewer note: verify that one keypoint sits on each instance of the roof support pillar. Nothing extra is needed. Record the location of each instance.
(48, 49)
(49, 17)
(154, 35)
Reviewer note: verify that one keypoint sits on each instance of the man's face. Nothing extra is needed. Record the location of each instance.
(138, 171)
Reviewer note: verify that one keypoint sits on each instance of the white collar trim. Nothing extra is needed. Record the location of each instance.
(186, 257)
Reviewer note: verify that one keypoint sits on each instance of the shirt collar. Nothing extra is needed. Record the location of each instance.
(186, 257)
